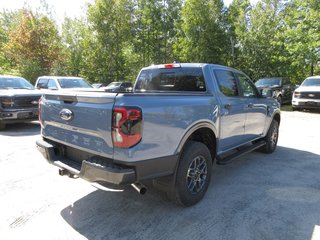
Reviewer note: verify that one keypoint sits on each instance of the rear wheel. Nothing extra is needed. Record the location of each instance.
(271, 138)
(193, 174)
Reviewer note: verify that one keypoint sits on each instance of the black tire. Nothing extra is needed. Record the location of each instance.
(271, 138)
(2, 126)
(193, 174)
(279, 99)
(295, 109)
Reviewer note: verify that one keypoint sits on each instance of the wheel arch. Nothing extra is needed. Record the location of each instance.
(203, 132)
(277, 117)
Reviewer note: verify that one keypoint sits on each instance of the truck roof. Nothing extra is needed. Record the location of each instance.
(186, 65)
(61, 77)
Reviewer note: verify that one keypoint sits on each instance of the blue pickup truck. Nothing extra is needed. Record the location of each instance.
(179, 121)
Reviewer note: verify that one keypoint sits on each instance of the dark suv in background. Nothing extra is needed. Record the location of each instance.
(18, 100)
(281, 88)
(118, 87)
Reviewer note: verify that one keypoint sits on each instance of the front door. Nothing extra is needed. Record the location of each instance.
(255, 108)
(232, 121)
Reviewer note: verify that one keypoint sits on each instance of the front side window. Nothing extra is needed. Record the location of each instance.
(248, 88)
(179, 79)
(227, 83)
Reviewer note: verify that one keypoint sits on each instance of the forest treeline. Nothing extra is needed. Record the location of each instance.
(118, 37)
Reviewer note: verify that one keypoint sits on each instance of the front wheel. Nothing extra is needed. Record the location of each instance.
(2, 126)
(279, 99)
(271, 138)
(193, 174)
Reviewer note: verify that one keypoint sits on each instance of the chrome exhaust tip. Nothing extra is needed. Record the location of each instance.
(141, 189)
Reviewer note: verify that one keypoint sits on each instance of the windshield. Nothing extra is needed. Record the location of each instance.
(268, 82)
(14, 83)
(311, 82)
(113, 85)
(73, 83)
(171, 79)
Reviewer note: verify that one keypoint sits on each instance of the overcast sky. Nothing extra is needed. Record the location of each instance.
(61, 8)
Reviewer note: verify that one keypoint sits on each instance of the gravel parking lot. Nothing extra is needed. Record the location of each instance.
(258, 196)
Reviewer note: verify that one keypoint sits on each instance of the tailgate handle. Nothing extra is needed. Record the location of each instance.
(68, 99)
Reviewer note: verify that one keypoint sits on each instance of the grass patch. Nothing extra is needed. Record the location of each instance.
(287, 108)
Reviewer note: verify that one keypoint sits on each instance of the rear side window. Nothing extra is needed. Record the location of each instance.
(227, 83)
(173, 79)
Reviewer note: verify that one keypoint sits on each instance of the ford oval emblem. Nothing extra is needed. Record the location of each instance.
(66, 114)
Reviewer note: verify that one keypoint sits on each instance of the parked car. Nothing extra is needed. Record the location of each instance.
(98, 85)
(307, 95)
(118, 87)
(18, 100)
(59, 82)
(282, 89)
(179, 121)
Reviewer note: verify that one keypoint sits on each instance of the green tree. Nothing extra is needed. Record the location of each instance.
(8, 21)
(34, 45)
(74, 32)
(238, 24)
(265, 41)
(203, 35)
(302, 38)
(155, 30)
(103, 56)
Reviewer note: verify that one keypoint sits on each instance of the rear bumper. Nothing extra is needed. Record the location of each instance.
(91, 170)
(99, 169)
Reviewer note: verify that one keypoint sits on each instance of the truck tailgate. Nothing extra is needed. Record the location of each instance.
(79, 119)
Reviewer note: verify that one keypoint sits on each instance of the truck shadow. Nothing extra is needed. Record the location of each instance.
(21, 129)
(258, 196)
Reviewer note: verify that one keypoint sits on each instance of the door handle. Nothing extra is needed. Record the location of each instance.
(227, 106)
(250, 105)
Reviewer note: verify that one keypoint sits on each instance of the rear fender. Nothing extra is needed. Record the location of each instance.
(193, 129)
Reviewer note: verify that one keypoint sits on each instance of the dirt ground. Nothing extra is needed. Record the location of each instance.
(258, 196)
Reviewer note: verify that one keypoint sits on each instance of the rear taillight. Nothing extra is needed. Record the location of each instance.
(126, 126)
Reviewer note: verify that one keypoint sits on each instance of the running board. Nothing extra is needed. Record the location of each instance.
(229, 158)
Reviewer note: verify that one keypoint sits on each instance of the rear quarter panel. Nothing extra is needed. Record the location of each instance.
(166, 119)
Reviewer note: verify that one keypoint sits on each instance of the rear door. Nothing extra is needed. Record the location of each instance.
(79, 119)
(232, 110)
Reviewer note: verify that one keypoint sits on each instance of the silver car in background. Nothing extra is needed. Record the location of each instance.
(59, 82)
